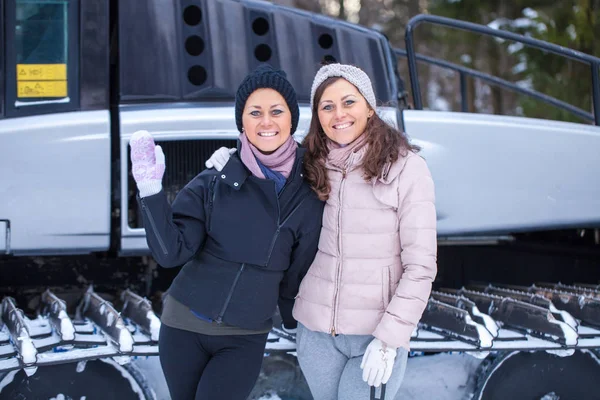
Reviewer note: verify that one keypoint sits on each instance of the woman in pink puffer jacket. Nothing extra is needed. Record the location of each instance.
(369, 283)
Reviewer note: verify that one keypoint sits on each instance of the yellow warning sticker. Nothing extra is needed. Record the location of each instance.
(41, 89)
(41, 72)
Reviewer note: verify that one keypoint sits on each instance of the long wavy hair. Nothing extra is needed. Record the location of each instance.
(385, 145)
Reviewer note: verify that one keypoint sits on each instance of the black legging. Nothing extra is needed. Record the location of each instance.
(204, 367)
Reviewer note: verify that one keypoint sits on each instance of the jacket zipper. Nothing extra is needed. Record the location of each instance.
(302, 200)
(279, 225)
(339, 263)
(285, 185)
(211, 201)
(272, 246)
(219, 319)
(153, 226)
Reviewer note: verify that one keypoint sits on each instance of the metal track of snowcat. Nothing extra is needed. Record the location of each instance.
(98, 331)
(477, 319)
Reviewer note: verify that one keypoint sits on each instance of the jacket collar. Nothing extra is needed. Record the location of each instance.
(235, 172)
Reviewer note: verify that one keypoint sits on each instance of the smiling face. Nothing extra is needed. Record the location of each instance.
(267, 120)
(343, 112)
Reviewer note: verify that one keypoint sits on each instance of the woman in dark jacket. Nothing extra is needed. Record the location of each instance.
(245, 237)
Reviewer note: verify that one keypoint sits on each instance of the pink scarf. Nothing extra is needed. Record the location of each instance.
(348, 156)
(281, 160)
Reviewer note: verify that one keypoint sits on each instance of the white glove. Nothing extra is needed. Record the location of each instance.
(219, 158)
(377, 363)
(147, 163)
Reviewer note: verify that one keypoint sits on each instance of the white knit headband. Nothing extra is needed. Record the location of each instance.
(352, 74)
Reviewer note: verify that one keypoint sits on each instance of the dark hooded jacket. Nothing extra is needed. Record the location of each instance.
(243, 246)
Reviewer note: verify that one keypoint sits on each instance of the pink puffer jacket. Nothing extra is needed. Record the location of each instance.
(377, 254)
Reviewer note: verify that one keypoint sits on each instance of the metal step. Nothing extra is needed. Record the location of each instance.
(104, 315)
(592, 292)
(465, 304)
(530, 298)
(583, 307)
(56, 310)
(529, 318)
(447, 319)
(18, 332)
(139, 310)
(594, 287)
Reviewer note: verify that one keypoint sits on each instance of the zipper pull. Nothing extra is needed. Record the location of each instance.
(344, 173)
(333, 331)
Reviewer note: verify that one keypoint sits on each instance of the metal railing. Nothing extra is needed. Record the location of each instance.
(412, 57)
(464, 72)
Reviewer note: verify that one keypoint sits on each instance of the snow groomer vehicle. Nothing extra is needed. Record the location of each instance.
(518, 198)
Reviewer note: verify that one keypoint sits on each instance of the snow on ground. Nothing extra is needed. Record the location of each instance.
(270, 397)
(152, 370)
(440, 377)
(550, 396)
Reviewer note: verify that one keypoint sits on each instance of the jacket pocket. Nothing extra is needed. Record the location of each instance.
(385, 286)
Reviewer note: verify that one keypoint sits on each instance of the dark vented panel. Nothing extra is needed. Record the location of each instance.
(200, 38)
(184, 160)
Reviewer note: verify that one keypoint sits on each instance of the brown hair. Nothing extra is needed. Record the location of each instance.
(385, 145)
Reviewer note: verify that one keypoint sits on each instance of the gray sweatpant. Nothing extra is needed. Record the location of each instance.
(331, 365)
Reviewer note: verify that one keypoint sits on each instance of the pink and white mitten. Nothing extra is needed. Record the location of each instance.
(148, 163)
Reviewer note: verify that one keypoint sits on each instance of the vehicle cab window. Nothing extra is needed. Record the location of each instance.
(41, 56)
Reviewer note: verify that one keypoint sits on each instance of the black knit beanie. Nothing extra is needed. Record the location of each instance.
(266, 77)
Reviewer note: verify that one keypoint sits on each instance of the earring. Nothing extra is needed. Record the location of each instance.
(242, 130)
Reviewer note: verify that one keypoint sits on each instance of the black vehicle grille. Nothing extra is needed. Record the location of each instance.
(184, 160)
